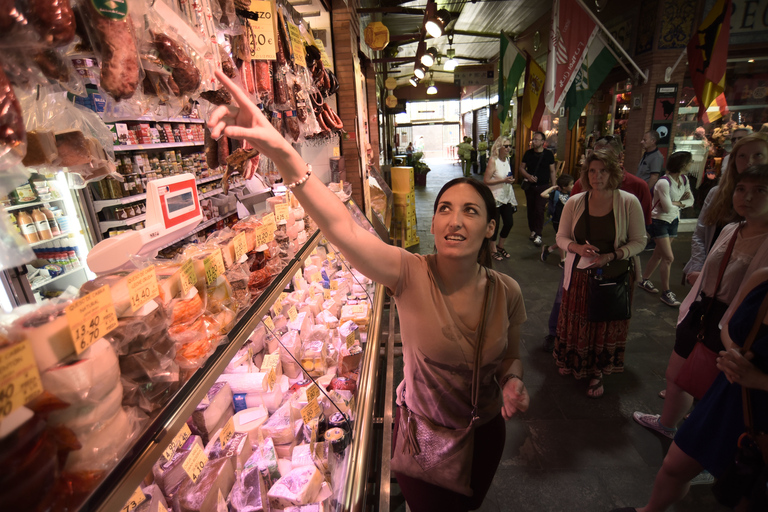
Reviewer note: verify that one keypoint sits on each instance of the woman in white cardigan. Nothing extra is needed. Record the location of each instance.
(617, 232)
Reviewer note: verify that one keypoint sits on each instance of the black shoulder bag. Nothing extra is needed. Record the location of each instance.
(526, 185)
(608, 298)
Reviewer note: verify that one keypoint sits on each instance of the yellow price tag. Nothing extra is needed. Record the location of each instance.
(136, 499)
(270, 362)
(188, 276)
(91, 317)
(292, 313)
(282, 296)
(358, 310)
(270, 221)
(336, 151)
(195, 462)
(19, 377)
(282, 211)
(312, 392)
(278, 307)
(214, 267)
(330, 256)
(178, 442)
(227, 432)
(271, 378)
(317, 276)
(160, 507)
(334, 284)
(263, 235)
(350, 339)
(314, 252)
(326, 294)
(142, 287)
(297, 43)
(260, 42)
(324, 56)
(310, 411)
(269, 323)
(241, 245)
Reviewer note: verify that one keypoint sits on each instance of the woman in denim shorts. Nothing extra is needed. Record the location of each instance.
(671, 193)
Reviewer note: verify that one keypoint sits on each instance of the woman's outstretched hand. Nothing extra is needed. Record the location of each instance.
(244, 121)
(515, 398)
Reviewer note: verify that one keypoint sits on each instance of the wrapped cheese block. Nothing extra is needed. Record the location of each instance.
(169, 281)
(245, 382)
(150, 377)
(239, 360)
(267, 462)
(86, 378)
(238, 449)
(154, 500)
(87, 416)
(249, 493)
(299, 487)
(279, 426)
(169, 475)
(48, 332)
(258, 338)
(327, 319)
(118, 288)
(213, 409)
(217, 476)
(140, 331)
(313, 358)
(41, 148)
(102, 448)
(290, 348)
(302, 324)
(249, 421)
(357, 313)
(269, 399)
(284, 466)
(333, 306)
(346, 328)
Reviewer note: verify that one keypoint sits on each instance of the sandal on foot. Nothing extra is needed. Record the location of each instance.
(594, 388)
(497, 256)
(504, 253)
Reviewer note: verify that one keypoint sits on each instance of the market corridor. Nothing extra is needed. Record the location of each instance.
(569, 452)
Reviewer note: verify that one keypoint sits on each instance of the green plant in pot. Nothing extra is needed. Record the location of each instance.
(420, 169)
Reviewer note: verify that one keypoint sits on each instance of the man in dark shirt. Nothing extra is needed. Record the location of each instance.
(538, 168)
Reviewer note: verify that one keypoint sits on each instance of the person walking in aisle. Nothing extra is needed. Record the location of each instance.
(538, 168)
(671, 194)
(468, 380)
(498, 177)
(652, 162)
(718, 206)
(556, 197)
(614, 218)
(465, 150)
(741, 248)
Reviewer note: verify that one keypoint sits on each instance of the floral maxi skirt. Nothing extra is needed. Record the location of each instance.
(585, 348)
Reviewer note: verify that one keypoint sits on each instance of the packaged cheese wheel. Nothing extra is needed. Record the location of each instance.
(86, 378)
(82, 419)
(48, 332)
(279, 426)
(101, 449)
(299, 487)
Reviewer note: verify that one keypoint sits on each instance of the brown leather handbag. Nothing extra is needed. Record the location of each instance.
(435, 454)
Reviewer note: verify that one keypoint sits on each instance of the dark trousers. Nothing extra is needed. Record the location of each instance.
(422, 496)
(507, 213)
(536, 207)
(483, 162)
(555, 313)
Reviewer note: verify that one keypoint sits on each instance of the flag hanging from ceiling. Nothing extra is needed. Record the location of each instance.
(707, 55)
(722, 109)
(533, 96)
(572, 32)
(512, 65)
(597, 63)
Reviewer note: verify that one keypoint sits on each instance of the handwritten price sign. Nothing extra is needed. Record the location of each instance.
(263, 235)
(241, 246)
(270, 221)
(260, 32)
(195, 463)
(269, 323)
(292, 313)
(282, 211)
(142, 287)
(214, 267)
(177, 442)
(19, 378)
(91, 317)
(312, 392)
(310, 411)
(227, 432)
(188, 276)
(136, 499)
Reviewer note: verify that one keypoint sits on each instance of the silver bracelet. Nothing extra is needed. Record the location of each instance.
(303, 180)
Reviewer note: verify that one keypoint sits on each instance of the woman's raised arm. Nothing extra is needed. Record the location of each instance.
(367, 253)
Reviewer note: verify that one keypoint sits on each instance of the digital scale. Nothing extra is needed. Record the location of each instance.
(173, 210)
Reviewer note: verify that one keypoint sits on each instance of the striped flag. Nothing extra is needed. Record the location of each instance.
(708, 53)
(533, 97)
(598, 62)
(512, 64)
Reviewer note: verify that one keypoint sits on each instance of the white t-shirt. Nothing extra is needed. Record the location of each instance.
(502, 192)
(667, 190)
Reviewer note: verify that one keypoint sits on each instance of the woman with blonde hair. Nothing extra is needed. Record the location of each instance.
(498, 177)
(717, 210)
(615, 222)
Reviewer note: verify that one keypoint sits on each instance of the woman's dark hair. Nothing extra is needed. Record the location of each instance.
(484, 256)
(678, 160)
(564, 180)
(754, 174)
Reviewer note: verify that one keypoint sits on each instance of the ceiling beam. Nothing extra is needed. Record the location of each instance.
(413, 59)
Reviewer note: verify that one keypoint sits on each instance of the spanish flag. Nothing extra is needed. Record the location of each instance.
(708, 53)
(533, 96)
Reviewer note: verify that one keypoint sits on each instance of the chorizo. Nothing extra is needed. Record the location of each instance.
(219, 97)
(12, 131)
(54, 20)
(281, 86)
(119, 57)
(292, 124)
(300, 100)
(262, 70)
(246, 75)
(331, 118)
(211, 151)
(184, 72)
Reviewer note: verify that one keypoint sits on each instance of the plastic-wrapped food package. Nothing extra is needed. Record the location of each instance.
(150, 377)
(214, 410)
(267, 462)
(155, 499)
(113, 34)
(290, 344)
(238, 449)
(13, 135)
(313, 358)
(186, 309)
(217, 476)
(299, 487)
(139, 332)
(53, 20)
(48, 333)
(102, 448)
(169, 474)
(28, 459)
(249, 493)
(184, 72)
(249, 421)
(279, 426)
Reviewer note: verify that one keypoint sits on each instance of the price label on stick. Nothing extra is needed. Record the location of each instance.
(282, 211)
(282, 296)
(269, 323)
(91, 317)
(334, 284)
(326, 294)
(214, 266)
(142, 287)
(259, 34)
(241, 246)
(271, 379)
(297, 43)
(312, 392)
(317, 276)
(350, 339)
(278, 307)
(263, 236)
(195, 463)
(270, 221)
(310, 411)
(177, 442)
(292, 313)
(19, 377)
(227, 432)
(188, 276)
(136, 499)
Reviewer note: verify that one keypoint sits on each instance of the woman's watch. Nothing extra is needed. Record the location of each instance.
(509, 377)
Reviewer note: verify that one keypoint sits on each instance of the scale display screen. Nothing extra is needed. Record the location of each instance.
(178, 202)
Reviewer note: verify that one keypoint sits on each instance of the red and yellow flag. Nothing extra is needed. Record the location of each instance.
(533, 96)
(708, 53)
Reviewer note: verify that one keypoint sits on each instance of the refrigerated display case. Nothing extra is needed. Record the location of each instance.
(164, 423)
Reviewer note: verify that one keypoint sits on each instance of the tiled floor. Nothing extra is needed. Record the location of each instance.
(569, 452)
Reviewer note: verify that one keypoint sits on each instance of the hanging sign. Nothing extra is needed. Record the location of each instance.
(259, 31)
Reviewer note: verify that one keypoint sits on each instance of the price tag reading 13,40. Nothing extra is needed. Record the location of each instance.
(19, 377)
(142, 287)
(91, 317)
